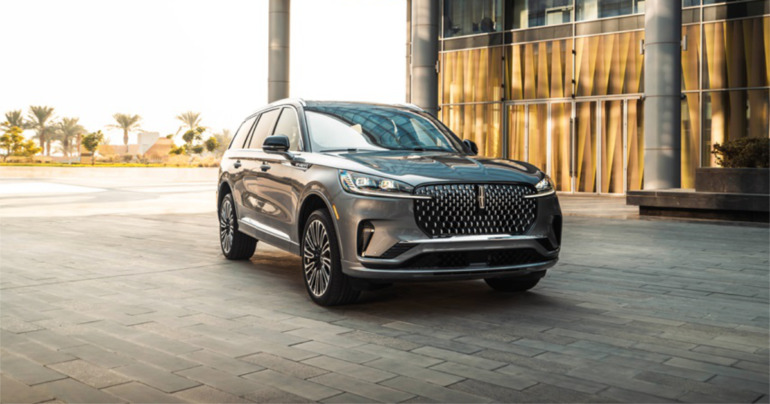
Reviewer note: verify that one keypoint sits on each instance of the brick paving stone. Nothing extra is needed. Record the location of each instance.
(432, 391)
(155, 377)
(508, 381)
(135, 392)
(366, 373)
(268, 394)
(99, 356)
(346, 398)
(304, 388)
(13, 391)
(25, 370)
(364, 389)
(72, 391)
(224, 363)
(285, 366)
(206, 394)
(452, 356)
(220, 380)
(89, 374)
(396, 366)
(39, 353)
(351, 355)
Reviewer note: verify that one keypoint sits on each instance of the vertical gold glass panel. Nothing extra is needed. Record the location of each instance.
(735, 54)
(691, 57)
(538, 70)
(609, 64)
(690, 131)
(561, 146)
(612, 147)
(473, 75)
(479, 123)
(585, 146)
(537, 134)
(516, 132)
(635, 144)
(731, 115)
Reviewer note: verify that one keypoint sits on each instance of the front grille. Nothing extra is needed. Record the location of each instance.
(465, 259)
(457, 209)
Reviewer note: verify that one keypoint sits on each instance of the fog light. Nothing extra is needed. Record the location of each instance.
(365, 233)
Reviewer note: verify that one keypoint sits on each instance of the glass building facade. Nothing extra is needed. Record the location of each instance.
(560, 83)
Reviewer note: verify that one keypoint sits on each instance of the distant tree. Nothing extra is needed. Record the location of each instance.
(70, 130)
(15, 144)
(191, 120)
(224, 138)
(14, 118)
(197, 149)
(177, 150)
(211, 144)
(91, 142)
(127, 123)
(170, 136)
(41, 120)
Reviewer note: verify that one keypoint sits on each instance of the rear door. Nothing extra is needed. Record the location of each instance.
(233, 163)
(252, 198)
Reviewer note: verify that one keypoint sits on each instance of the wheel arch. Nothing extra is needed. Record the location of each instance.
(313, 200)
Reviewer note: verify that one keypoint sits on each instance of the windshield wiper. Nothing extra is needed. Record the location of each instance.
(428, 149)
(349, 150)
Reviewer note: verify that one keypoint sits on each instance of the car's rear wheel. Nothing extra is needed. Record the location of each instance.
(517, 284)
(235, 245)
(321, 268)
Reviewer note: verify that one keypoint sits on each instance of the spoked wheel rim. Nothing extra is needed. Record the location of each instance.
(226, 225)
(317, 258)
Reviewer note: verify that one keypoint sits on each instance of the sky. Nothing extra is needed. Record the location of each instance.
(158, 58)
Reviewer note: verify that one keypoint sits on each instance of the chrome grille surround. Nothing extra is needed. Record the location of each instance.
(467, 209)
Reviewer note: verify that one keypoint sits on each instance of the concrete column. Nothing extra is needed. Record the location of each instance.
(424, 79)
(278, 56)
(662, 94)
(408, 64)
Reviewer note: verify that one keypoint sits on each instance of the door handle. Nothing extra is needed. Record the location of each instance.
(264, 167)
(237, 164)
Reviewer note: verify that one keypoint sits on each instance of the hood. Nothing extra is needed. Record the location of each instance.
(421, 167)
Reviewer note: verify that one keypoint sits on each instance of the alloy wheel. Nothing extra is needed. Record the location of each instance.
(226, 225)
(317, 258)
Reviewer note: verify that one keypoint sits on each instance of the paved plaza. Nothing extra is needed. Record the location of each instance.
(113, 289)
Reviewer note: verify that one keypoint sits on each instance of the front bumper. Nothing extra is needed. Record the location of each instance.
(395, 228)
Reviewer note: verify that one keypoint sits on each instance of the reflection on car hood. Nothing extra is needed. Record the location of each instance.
(421, 167)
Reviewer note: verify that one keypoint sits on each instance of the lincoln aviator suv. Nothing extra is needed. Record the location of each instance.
(369, 194)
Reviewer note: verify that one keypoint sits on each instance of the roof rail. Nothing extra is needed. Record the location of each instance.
(410, 105)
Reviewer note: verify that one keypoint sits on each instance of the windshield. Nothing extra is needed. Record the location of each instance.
(367, 127)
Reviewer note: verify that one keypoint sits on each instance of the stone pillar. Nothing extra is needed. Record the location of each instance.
(662, 94)
(278, 56)
(424, 78)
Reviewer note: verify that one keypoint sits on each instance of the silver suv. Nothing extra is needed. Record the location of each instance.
(368, 194)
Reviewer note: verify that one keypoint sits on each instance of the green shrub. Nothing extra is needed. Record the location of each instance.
(747, 152)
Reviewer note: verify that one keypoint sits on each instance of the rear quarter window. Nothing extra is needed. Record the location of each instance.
(243, 132)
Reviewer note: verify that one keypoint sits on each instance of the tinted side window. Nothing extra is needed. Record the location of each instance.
(243, 131)
(289, 126)
(264, 126)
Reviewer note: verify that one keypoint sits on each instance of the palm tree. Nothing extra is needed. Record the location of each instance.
(69, 129)
(128, 123)
(191, 120)
(14, 118)
(40, 118)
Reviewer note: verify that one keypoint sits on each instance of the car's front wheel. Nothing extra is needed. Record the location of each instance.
(517, 284)
(235, 245)
(324, 280)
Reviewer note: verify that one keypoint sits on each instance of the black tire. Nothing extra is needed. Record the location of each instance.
(321, 269)
(235, 245)
(519, 284)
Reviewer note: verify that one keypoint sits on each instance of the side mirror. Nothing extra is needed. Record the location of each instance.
(277, 144)
(470, 145)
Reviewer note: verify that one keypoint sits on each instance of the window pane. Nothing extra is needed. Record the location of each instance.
(472, 76)
(734, 53)
(264, 126)
(592, 9)
(468, 17)
(243, 132)
(536, 13)
(729, 115)
(288, 125)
